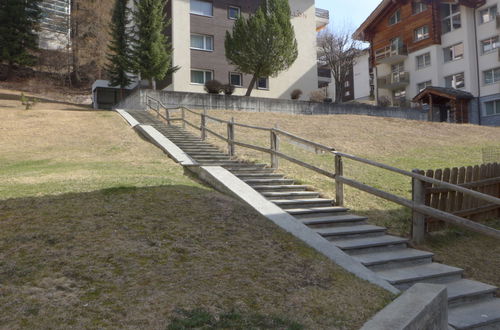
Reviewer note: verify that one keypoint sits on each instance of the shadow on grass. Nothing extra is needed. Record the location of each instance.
(14, 97)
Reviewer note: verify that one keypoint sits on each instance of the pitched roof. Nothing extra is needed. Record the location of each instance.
(451, 93)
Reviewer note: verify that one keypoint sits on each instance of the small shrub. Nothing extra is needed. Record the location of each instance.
(228, 89)
(213, 87)
(28, 102)
(317, 96)
(296, 94)
(384, 101)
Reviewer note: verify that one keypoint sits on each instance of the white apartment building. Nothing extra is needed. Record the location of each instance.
(444, 44)
(55, 24)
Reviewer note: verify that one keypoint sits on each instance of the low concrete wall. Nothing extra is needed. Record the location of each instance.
(423, 306)
(254, 104)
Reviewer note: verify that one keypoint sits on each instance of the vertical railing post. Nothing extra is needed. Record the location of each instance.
(339, 186)
(203, 125)
(183, 115)
(230, 138)
(418, 219)
(167, 115)
(275, 147)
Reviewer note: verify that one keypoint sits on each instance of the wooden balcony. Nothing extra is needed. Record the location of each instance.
(394, 81)
(390, 55)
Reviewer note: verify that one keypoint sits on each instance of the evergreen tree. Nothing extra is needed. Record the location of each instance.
(263, 44)
(152, 52)
(119, 50)
(18, 37)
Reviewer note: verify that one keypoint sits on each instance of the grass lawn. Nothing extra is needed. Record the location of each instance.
(99, 229)
(401, 143)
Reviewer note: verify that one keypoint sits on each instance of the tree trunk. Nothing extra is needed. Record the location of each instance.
(152, 83)
(251, 86)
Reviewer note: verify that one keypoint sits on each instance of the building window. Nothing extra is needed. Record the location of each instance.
(492, 108)
(421, 33)
(488, 14)
(263, 83)
(450, 17)
(395, 18)
(490, 44)
(200, 77)
(417, 7)
(453, 53)
(202, 42)
(347, 84)
(423, 61)
(455, 81)
(236, 79)
(423, 85)
(233, 12)
(203, 8)
(491, 76)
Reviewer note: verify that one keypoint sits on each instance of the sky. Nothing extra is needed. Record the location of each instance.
(348, 14)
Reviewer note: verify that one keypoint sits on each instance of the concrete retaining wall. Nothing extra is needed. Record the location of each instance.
(423, 306)
(253, 104)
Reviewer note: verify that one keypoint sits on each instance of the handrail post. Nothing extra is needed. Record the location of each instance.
(167, 115)
(203, 125)
(339, 186)
(183, 114)
(418, 219)
(275, 147)
(230, 137)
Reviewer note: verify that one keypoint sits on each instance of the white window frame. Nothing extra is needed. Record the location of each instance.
(451, 17)
(496, 108)
(425, 84)
(424, 56)
(200, 13)
(205, 71)
(397, 16)
(495, 78)
(454, 80)
(418, 7)
(262, 88)
(205, 37)
(236, 74)
(493, 41)
(453, 56)
(229, 11)
(491, 11)
(424, 31)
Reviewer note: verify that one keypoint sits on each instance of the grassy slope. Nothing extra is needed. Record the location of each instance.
(98, 229)
(404, 144)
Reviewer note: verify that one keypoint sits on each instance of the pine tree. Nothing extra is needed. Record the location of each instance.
(263, 44)
(152, 52)
(119, 47)
(18, 37)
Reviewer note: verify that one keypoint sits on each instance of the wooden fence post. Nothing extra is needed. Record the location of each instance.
(203, 125)
(183, 114)
(339, 186)
(167, 115)
(418, 219)
(230, 137)
(275, 147)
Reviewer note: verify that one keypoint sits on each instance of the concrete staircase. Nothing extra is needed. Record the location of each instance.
(472, 305)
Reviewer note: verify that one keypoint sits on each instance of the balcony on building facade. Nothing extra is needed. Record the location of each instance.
(324, 74)
(498, 20)
(394, 81)
(322, 18)
(391, 54)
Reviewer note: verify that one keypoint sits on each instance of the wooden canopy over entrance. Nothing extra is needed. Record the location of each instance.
(446, 104)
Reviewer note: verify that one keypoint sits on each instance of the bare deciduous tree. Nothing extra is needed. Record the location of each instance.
(339, 51)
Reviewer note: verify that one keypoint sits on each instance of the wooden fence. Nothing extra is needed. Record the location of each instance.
(482, 178)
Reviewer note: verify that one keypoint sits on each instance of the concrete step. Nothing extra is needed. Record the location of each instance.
(280, 188)
(356, 230)
(248, 176)
(302, 203)
(290, 195)
(210, 157)
(244, 167)
(318, 210)
(483, 314)
(270, 182)
(364, 244)
(465, 291)
(207, 153)
(335, 219)
(378, 260)
(404, 277)
(256, 171)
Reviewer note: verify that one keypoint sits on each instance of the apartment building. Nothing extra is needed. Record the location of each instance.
(55, 24)
(441, 53)
(198, 31)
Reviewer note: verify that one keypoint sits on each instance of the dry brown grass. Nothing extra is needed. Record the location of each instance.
(99, 229)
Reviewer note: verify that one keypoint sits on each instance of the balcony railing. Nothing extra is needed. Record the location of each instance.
(394, 80)
(322, 13)
(498, 20)
(325, 73)
(389, 54)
